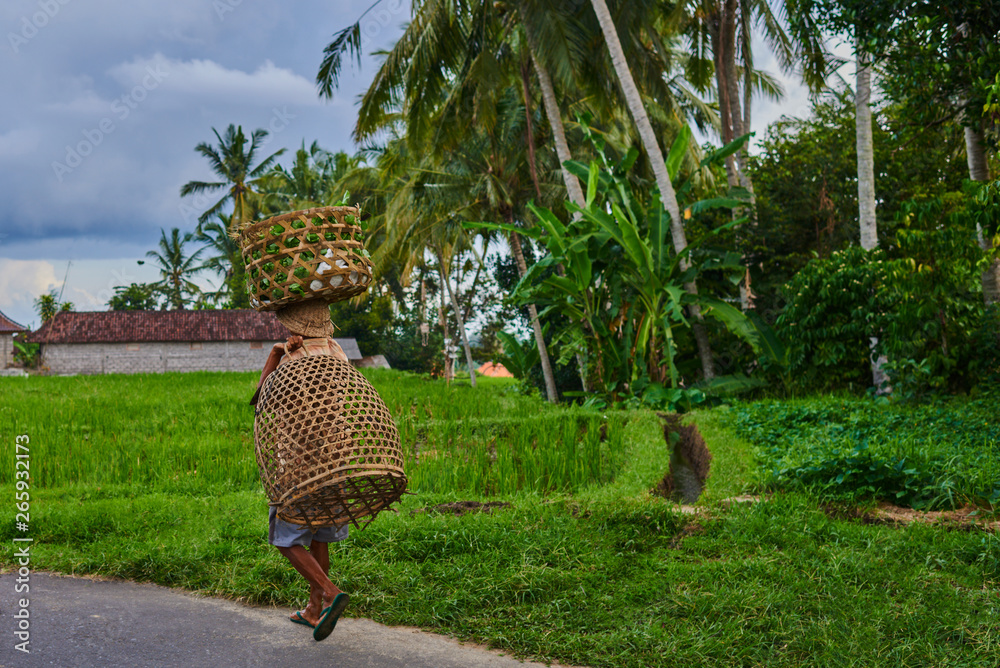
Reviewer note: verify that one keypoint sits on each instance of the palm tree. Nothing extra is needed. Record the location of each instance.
(866, 184)
(176, 268)
(445, 253)
(226, 260)
(433, 105)
(423, 217)
(721, 34)
(659, 166)
(48, 305)
(492, 170)
(866, 153)
(310, 182)
(233, 161)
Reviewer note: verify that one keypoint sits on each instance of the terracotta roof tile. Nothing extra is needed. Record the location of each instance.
(8, 325)
(151, 326)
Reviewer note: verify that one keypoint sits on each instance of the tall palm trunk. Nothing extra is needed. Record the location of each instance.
(554, 115)
(741, 127)
(975, 153)
(866, 155)
(449, 365)
(573, 188)
(515, 247)
(543, 354)
(866, 185)
(732, 115)
(723, 44)
(746, 37)
(669, 197)
(529, 126)
(458, 316)
(979, 170)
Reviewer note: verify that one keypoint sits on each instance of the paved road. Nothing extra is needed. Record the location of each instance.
(79, 623)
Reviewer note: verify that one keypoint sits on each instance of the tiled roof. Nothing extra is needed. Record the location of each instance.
(150, 326)
(7, 325)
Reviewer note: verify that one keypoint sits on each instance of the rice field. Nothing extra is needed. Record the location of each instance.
(193, 431)
(152, 478)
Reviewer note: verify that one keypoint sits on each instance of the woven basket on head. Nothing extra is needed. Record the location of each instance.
(309, 318)
(327, 447)
(310, 254)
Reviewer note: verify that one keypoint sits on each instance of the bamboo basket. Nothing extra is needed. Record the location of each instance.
(327, 447)
(310, 254)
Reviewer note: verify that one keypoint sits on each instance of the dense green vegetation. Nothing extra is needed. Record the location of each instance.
(941, 455)
(597, 574)
(680, 270)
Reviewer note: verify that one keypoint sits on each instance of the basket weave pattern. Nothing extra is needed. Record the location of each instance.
(327, 447)
(310, 254)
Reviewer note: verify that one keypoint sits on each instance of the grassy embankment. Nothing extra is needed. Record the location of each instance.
(152, 478)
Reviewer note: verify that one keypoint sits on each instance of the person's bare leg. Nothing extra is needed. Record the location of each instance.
(321, 590)
(321, 553)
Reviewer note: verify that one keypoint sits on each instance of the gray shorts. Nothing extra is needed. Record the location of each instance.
(285, 534)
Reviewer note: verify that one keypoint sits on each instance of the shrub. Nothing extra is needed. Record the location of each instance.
(920, 299)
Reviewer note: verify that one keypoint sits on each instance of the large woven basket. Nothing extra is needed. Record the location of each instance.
(310, 254)
(327, 447)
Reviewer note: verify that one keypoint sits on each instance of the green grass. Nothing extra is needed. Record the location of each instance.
(603, 575)
(177, 432)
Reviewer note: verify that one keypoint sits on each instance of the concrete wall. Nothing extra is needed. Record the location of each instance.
(95, 358)
(6, 350)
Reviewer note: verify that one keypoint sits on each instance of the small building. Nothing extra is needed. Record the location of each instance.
(157, 341)
(494, 370)
(8, 328)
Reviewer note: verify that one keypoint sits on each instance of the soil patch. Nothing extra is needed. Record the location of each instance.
(690, 461)
(967, 518)
(463, 507)
(690, 529)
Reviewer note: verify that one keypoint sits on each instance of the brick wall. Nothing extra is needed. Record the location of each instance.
(95, 358)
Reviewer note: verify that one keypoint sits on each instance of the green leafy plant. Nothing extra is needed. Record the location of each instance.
(920, 299)
(135, 297)
(611, 272)
(518, 358)
(25, 353)
(935, 455)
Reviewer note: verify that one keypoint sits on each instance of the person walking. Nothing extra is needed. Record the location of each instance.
(311, 335)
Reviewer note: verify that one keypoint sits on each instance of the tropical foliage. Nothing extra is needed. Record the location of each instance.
(519, 130)
(48, 304)
(233, 162)
(176, 268)
(135, 297)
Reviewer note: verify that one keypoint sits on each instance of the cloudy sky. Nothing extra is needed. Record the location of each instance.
(106, 100)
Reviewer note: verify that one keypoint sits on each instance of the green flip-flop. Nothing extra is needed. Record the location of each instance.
(299, 619)
(328, 620)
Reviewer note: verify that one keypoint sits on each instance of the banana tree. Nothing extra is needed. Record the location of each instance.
(623, 290)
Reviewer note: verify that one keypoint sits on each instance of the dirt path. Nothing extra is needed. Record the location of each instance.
(105, 624)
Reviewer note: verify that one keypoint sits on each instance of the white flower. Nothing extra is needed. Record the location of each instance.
(316, 285)
(322, 268)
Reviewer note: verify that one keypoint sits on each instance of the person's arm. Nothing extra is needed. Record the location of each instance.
(273, 358)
